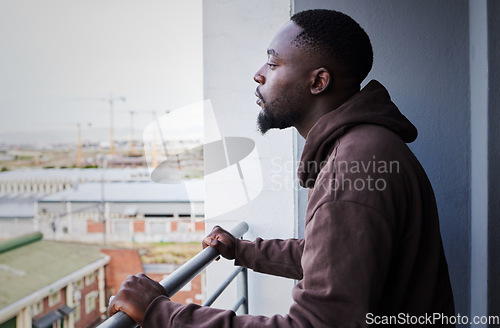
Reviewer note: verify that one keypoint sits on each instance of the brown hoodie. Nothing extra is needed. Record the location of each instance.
(372, 251)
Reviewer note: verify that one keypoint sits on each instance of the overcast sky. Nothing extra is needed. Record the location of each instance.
(60, 58)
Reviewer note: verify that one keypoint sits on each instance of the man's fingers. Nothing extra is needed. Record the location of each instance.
(215, 243)
(150, 284)
(210, 241)
(112, 308)
(222, 241)
(206, 242)
(135, 295)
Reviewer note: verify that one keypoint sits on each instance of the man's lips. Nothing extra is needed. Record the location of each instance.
(259, 100)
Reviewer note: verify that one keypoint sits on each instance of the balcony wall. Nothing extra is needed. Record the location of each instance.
(236, 36)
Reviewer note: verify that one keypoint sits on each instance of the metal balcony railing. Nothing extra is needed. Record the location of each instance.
(180, 277)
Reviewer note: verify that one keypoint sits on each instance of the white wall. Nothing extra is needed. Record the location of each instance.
(236, 36)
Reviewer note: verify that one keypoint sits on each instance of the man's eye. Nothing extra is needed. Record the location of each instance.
(271, 65)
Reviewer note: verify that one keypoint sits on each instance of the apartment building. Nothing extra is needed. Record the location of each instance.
(50, 284)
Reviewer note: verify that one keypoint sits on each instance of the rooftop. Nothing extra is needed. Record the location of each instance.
(28, 267)
(133, 192)
(76, 174)
(17, 206)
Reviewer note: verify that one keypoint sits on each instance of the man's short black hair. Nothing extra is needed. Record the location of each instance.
(334, 34)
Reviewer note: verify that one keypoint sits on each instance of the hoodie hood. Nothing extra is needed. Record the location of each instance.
(371, 105)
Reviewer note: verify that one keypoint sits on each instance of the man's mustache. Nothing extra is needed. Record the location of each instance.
(260, 95)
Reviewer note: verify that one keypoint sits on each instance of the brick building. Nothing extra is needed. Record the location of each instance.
(125, 262)
(50, 284)
(124, 211)
(192, 292)
(122, 263)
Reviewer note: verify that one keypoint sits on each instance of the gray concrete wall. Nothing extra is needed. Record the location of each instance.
(478, 45)
(494, 156)
(421, 51)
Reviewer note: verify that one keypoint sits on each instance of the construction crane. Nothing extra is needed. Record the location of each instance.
(111, 100)
(79, 149)
(132, 150)
(157, 130)
(157, 126)
(132, 137)
(79, 152)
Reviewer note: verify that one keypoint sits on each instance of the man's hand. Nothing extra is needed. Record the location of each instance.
(222, 241)
(134, 297)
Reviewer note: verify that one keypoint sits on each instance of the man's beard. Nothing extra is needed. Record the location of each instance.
(281, 113)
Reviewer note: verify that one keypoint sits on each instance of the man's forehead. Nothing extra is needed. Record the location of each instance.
(283, 40)
(289, 30)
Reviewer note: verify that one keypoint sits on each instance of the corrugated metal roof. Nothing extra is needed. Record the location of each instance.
(114, 174)
(17, 206)
(134, 192)
(27, 269)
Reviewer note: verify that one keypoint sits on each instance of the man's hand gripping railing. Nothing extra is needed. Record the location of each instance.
(177, 279)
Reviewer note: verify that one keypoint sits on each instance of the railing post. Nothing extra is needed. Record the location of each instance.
(242, 291)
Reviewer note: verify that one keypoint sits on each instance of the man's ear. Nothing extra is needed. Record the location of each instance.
(321, 80)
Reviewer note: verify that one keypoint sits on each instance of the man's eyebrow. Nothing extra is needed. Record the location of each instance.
(272, 52)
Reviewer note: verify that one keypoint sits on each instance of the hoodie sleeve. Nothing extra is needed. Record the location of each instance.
(345, 262)
(274, 256)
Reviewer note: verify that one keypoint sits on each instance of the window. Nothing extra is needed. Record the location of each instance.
(91, 301)
(90, 279)
(37, 308)
(54, 298)
(78, 285)
(158, 215)
(77, 312)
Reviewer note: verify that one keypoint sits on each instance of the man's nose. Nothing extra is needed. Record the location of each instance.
(258, 77)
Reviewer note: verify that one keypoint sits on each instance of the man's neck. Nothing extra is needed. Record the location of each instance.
(322, 107)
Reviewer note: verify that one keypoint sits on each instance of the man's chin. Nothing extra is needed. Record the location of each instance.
(264, 127)
(266, 122)
(262, 130)
(263, 122)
